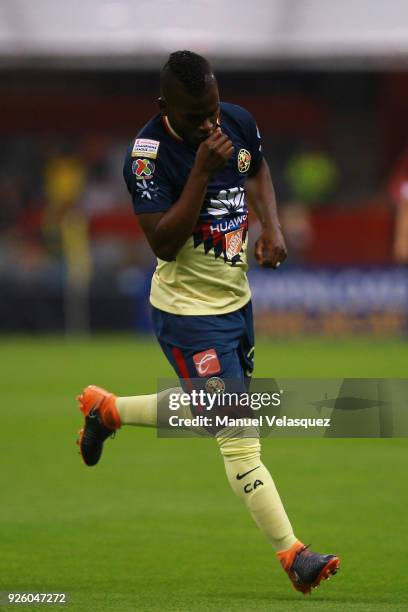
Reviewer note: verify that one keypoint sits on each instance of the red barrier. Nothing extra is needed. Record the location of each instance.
(362, 236)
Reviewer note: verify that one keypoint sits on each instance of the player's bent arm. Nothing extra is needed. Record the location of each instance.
(261, 196)
(167, 232)
(270, 248)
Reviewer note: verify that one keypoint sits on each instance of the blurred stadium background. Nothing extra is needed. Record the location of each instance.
(328, 85)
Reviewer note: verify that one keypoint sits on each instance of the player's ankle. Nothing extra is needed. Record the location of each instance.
(287, 555)
(109, 413)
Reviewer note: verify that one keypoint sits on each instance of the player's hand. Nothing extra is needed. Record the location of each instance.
(270, 248)
(214, 152)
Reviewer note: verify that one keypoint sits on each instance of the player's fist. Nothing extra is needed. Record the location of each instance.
(214, 152)
(270, 248)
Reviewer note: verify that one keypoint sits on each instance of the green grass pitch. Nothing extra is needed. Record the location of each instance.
(155, 527)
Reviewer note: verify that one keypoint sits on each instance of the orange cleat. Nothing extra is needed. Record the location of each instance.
(101, 421)
(306, 569)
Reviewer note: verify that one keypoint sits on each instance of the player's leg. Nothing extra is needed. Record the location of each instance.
(175, 335)
(241, 451)
(141, 410)
(252, 483)
(104, 412)
(223, 346)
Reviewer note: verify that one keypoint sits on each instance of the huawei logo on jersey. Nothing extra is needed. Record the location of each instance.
(207, 362)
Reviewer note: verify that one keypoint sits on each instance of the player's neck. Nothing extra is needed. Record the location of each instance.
(170, 129)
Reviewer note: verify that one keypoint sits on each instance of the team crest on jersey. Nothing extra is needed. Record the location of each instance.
(244, 160)
(233, 243)
(143, 168)
(145, 147)
(215, 384)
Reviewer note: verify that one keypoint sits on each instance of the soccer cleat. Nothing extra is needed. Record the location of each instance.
(101, 421)
(306, 569)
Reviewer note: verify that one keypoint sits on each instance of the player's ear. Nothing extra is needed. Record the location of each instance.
(162, 105)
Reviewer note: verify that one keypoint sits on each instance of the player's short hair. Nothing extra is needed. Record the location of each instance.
(191, 69)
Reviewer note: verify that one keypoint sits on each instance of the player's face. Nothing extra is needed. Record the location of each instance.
(193, 118)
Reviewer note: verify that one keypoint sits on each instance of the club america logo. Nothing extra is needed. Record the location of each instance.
(243, 160)
(215, 384)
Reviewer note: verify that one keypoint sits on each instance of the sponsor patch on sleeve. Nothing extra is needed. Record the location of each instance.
(143, 168)
(144, 147)
(207, 363)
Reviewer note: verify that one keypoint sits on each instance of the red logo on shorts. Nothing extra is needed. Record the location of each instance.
(207, 363)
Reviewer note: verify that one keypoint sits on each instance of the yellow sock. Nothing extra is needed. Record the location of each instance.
(252, 483)
(138, 410)
(142, 409)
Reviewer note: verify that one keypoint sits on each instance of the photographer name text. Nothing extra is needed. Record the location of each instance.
(260, 421)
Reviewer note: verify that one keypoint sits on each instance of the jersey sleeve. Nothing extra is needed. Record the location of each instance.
(146, 177)
(254, 142)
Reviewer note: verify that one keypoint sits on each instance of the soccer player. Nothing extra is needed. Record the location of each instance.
(189, 172)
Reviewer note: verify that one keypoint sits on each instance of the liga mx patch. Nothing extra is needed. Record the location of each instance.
(143, 168)
(233, 243)
(207, 363)
(144, 147)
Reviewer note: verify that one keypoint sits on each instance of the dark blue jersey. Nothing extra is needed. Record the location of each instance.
(208, 275)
